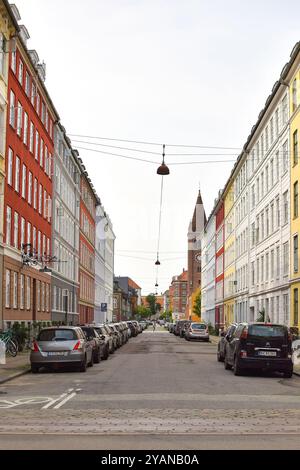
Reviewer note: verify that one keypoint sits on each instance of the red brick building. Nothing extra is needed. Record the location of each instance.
(88, 203)
(178, 295)
(219, 307)
(28, 187)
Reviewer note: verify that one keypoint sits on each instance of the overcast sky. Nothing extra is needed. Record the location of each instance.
(192, 72)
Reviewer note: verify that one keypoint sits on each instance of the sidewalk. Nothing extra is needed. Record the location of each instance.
(14, 367)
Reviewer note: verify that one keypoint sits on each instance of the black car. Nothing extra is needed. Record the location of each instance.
(107, 339)
(183, 327)
(259, 346)
(225, 335)
(178, 325)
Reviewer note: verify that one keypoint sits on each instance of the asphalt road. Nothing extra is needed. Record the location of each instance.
(157, 392)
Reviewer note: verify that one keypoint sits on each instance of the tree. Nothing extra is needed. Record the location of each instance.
(142, 312)
(197, 305)
(151, 300)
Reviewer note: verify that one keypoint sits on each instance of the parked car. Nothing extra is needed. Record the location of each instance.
(183, 327)
(107, 336)
(100, 347)
(123, 333)
(259, 346)
(117, 335)
(65, 345)
(144, 325)
(133, 329)
(197, 331)
(223, 339)
(178, 324)
(138, 326)
(171, 327)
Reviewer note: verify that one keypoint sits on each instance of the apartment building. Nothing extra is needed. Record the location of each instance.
(208, 274)
(65, 230)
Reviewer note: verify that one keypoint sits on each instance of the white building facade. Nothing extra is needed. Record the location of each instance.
(208, 273)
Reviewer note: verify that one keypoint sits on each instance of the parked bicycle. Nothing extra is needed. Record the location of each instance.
(11, 347)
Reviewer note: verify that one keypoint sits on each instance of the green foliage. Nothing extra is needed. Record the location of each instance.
(197, 305)
(142, 312)
(151, 299)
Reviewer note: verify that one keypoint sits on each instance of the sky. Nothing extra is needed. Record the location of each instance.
(174, 72)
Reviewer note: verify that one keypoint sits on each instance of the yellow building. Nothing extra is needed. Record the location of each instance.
(8, 28)
(229, 254)
(294, 81)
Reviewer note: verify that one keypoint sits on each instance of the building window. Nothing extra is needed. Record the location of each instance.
(277, 262)
(28, 292)
(22, 292)
(35, 190)
(16, 230)
(33, 93)
(20, 74)
(295, 199)
(29, 233)
(19, 119)
(294, 95)
(40, 198)
(27, 83)
(285, 154)
(10, 167)
(286, 208)
(31, 138)
(284, 111)
(15, 291)
(24, 178)
(38, 295)
(295, 148)
(12, 109)
(25, 134)
(13, 61)
(286, 263)
(30, 187)
(22, 232)
(37, 138)
(8, 225)
(295, 253)
(17, 175)
(7, 289)
(42, 153)
(296, 316)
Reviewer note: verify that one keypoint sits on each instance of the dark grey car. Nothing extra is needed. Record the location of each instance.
(66, 345)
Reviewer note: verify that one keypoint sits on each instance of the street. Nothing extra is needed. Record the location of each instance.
(169, 392)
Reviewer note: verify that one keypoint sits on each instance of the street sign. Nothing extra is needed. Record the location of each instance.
(103, 307)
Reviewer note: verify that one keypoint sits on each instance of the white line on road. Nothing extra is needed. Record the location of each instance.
(69, 397)
(55, 400)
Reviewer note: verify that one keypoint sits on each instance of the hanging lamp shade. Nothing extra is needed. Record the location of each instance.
(163, 170)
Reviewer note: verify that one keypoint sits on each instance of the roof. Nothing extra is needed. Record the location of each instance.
(12, 16)
(133, 284)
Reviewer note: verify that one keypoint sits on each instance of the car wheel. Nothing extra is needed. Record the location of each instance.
(83, 366)
(226, 364)
(288, 374)
(34, 368)
(97, 357)
(237, 370)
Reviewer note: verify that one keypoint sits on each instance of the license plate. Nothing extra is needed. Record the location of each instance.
(267, 353)
(57, 353)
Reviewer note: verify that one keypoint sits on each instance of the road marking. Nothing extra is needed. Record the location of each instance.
(53, 401)
(69, 397)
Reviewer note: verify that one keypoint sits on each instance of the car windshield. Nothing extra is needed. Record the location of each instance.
(198, 326)
(57, 335)
(267, 331)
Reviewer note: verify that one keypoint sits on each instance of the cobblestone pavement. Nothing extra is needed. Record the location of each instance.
(157, 385)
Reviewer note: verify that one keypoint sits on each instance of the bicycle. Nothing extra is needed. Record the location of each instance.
(10, 346)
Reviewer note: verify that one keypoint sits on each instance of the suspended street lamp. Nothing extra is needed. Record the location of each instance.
(163, 170)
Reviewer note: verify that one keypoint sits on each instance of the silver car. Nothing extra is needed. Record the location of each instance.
(66, 345)
(197, 331)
